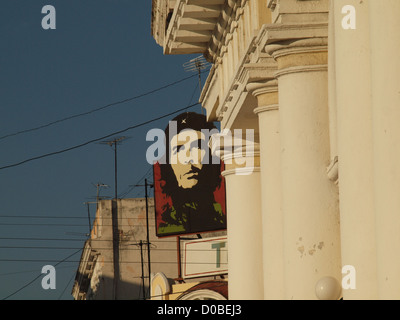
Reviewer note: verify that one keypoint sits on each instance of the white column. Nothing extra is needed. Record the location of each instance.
(354, 133)
(245, 271)
(272, 220)
(385, 65)
(309, 198)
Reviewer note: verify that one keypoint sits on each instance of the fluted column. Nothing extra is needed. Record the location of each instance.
(385, 80)
(267, 110)
(243, 198)
(309, 199)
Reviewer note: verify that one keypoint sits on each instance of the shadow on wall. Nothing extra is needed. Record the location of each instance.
(106, 289)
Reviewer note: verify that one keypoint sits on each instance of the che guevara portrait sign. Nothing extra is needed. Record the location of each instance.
(189, 190)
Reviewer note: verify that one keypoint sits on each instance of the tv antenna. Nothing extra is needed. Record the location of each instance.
(197, 64)
(98, 186)
(113, 144)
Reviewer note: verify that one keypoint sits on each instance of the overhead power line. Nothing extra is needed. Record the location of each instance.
(56, 224)
(80, 240)
(38, 276)
(128, 248)
(94, 110)
(107, 261)
(126, 192)
(30, 271)
(97, 139)
(65, 288)
(42, 217)
(61, 217)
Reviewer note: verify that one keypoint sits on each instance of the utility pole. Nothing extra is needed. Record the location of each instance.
(147, 228)
(141, 259)
(114, 217)
(148, 237)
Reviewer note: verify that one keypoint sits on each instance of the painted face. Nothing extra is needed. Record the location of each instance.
(187, 153)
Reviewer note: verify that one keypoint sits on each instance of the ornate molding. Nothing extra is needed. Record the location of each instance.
(284, 11)
(262, 109)
(296, 46)
(266, 93)
(301, 69)
(300, 55)
(240, 171)
(270, 85)
(222, 35)
(197, 26)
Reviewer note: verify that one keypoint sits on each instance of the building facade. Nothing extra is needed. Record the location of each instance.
(114, 263)
(318, 83)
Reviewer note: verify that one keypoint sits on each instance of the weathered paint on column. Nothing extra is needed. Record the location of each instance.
(309, 199)
(272, 220)
(385, 80)
(244, 231)
(354, 129)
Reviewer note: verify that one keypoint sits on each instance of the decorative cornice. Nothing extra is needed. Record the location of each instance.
(255, 66)
(279, 34)
(272, 45)
(201, 27)
(222, 34)
(286, 11)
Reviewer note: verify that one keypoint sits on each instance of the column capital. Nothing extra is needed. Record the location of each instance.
(296, 46)
(260, 87)
(266, 93)
(240, 155)
(296, 33)
(301, 55)
(265, 89)
(262, 109)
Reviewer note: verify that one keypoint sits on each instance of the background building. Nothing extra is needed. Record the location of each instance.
(114, 265)
(114, 262)
(317, 81)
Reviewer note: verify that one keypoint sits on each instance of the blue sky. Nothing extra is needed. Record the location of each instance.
(101, 52)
